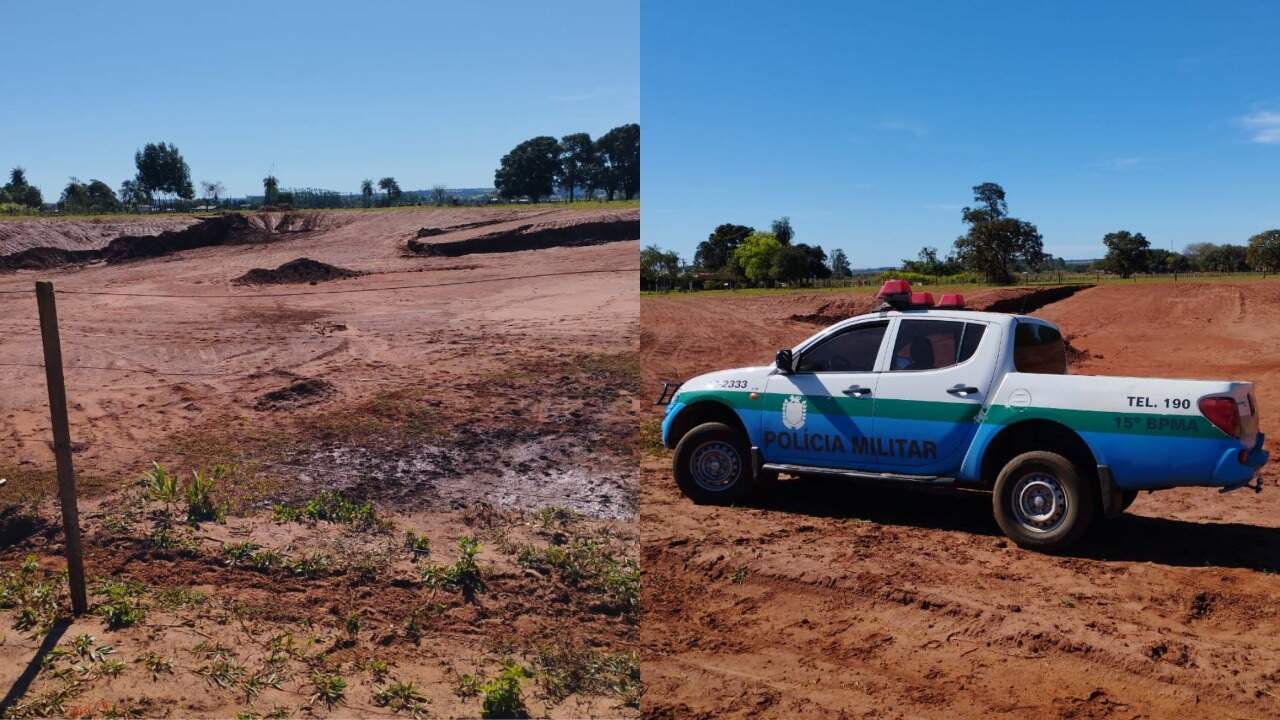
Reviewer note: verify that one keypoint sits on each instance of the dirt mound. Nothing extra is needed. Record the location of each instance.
(436, 231)
(302, 270)
(41, 258)
(536, 237)
(20, 234)
(834, 311)
(299, 393)
(228, 229)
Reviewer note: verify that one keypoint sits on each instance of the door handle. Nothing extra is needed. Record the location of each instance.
(856, 391)
(962, 390)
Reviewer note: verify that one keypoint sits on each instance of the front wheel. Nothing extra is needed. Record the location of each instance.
(712, 465)
(1041, 501)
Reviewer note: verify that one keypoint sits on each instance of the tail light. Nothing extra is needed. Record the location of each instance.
(1222, 412)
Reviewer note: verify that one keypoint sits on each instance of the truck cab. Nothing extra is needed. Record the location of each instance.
(933, 393)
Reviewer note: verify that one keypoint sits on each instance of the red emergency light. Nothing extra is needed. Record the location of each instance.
(893, 289)
(954, 301)
(921, 299)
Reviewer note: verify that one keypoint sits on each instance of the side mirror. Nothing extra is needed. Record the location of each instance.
(783, 360)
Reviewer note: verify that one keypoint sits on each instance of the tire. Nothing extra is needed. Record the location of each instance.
(712, 465)
(1042, 502)
(1126, 499)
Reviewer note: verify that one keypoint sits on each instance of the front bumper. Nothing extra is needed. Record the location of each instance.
(1232, 472)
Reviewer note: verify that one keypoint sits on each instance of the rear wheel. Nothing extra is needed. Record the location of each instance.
(1042, 502)
(712, 465)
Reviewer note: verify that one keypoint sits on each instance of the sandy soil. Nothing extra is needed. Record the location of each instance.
(457, 410)
(848, 601)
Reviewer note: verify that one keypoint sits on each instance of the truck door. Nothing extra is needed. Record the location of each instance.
(938, 376)
(816, 415)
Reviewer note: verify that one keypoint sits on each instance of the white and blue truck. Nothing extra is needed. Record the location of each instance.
(937, 394)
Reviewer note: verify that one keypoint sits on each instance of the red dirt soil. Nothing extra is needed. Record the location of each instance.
(843, 600)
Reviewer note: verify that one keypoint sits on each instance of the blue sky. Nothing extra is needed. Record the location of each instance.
(328, 93)
(869, 123)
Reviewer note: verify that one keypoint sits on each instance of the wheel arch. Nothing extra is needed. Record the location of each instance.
(703, 411)
(1036, 434)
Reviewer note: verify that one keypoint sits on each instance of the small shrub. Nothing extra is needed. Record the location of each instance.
(199, 494)
(417, 545)
(156, 665)
(503, 696)
(465, 575)
(160, 485)
(401, 697)
(330, 506)
(123, 606)
(328, 687)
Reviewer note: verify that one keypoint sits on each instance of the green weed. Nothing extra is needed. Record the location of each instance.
(401, 697)
(330, 506)
(465, 575)
(503, 695)
(328, 687)
(122, 606)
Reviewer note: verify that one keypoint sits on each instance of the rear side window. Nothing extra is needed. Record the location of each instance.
(934, 344)
(852, 350)
(1038, 349)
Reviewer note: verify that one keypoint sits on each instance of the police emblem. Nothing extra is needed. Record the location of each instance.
(793, 412)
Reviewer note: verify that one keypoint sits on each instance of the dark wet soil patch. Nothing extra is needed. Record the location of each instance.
(1025, 300)
(41, 258)
(302, 270)
(299, 393)
(535, 237)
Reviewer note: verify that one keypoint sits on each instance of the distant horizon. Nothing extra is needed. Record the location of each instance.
(342, 96)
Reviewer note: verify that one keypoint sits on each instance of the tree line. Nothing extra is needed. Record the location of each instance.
(994, 248)
(735, 255)
(609, 165)
(534, 169)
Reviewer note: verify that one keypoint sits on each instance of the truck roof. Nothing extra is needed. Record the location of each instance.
(950, 314)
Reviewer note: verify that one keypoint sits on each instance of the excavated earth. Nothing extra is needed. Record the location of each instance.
(841, 600)
(459, 399)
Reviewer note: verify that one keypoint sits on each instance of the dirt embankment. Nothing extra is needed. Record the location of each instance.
(21, 234)
(569, 232)
(905, 604)
(1017, 300)
(229, 229)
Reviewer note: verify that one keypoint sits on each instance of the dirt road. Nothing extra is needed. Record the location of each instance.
(844, 600)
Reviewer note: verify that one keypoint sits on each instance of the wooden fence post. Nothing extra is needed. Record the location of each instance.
(62, 443)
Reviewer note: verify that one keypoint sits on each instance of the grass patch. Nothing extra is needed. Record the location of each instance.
(330, 506)
(122, 605)
(651, 437)
(588, 564)
(39, 596)
(566, 670)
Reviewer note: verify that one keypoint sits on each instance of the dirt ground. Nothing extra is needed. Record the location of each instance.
(843, 600)
(488, 398)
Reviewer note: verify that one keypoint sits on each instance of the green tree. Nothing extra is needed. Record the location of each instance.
(658, 267)
(716, 252)
(366, 192)
(389, 186)
(927, 263)
(783, 231)
(94, 197)
(619, 151)
(162, 170)
(529, 170)
(270, 190)
(996, 244)
(839, 263)
(1198, 253)
(1226, 258)
(577, 158)
(757, 256)
(1127, 253)
(132, 194)
(1264, 251)
(21, 192)
(800, 261)
(439, 195)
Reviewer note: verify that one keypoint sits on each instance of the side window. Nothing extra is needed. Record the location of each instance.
(1038, 349)
(852, 350)
(933, 344)
(969, 342)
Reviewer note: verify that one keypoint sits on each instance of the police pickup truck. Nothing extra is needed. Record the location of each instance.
(919, 392)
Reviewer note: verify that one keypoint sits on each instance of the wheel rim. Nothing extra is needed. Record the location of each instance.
(1039, 502)
(715, 466)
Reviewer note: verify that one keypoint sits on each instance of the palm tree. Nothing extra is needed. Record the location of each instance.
(366, 192)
